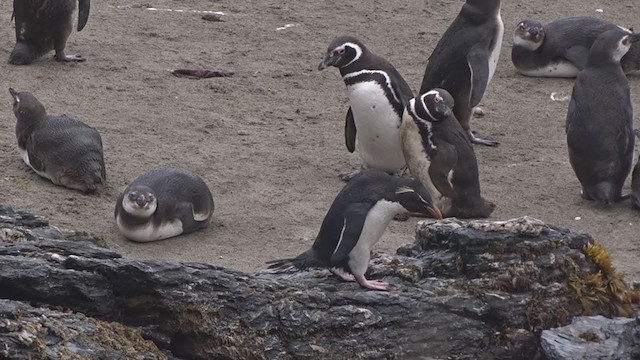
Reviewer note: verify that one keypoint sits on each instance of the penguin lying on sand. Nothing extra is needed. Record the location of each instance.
(440, 154)
(45, 25)
(64, 150)
(561, 48)
(465, 59)
(599, 122)
(163, 203)
(355, 222)
(377, 97)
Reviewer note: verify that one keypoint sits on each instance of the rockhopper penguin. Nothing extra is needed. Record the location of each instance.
(355, 222)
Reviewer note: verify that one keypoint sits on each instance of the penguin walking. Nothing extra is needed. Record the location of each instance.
(64, 150)
(561, 48)
(163, 203)
(355, 222)
(440, 154)
(45, 25)
(599, 122)
(465, 59)
(377, 97)
(635, 181)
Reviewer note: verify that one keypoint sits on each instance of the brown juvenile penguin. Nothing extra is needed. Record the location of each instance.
(45, 25)
(64, 150)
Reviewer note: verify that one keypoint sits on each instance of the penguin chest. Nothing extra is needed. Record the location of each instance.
(564, 69)
(25, 157)
(497, 46)
(377, 127)
(149, 231)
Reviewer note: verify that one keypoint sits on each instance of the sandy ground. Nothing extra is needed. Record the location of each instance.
(269, 140)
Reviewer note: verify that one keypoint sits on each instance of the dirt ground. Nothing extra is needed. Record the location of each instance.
(269, 139)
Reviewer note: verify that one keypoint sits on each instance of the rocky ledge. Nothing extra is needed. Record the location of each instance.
(464, 290)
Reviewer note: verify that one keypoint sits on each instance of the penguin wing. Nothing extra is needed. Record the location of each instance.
(578, 56)
(350, 131)
(36, 162)
(354, 218)
(478, 61)
(83, 13)
(440, 169)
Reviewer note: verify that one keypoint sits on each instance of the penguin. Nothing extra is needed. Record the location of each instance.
(599, 125)
(355, 222)
(440, 154)
(66, 151)
(635, 181)
(163, 203)
(377, 97)
(465, 59)
(45, 25)
(561, 48)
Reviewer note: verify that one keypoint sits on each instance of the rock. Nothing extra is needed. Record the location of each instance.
(464, 290)
(594, 337)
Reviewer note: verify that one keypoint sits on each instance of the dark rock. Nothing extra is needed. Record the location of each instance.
(467, 290)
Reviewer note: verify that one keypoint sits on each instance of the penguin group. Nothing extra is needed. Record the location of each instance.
(416, 150)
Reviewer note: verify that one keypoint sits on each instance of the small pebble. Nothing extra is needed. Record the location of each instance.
(578, 218)
(213, 17)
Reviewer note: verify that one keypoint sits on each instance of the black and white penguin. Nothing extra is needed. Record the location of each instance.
(561, 48)
(465, 59)
(635, 181)
(64, 150)
(440, 154)
(599, 123)
(163, 203)
(377, 97)
(355, 222)
(45, 25)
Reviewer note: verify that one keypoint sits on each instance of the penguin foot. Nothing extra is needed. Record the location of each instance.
(343, 275)
(475, 139)
(348, 175)
(372, 284)
(69, 58)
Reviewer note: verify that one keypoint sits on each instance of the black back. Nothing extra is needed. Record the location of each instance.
(599, 122)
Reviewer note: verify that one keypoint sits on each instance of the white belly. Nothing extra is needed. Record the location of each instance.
(149, 232)
(377, 127)
(375, 224)
(564, 69)
(25, 157)
(495, 52)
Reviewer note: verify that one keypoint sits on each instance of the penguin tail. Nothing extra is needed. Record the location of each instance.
(307, 259)
(604, 193)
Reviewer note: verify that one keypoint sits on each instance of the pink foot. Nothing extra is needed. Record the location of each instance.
(372, 284)
(343, 275)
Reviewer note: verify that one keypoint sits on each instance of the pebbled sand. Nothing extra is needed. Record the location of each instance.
(269, 140)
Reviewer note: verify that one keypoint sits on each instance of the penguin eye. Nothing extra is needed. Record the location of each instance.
(521, 26)
(340, 51)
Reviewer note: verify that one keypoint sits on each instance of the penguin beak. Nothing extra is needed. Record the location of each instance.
(141, 201)
(328, 60)
(435, 212)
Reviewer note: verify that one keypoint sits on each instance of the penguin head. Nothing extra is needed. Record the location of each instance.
(433, 106)
(610, 47)
(529, 34)
(26, 106)
(342, 51)
(415, 198)
(139, 201)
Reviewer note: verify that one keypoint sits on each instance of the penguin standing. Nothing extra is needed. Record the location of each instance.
(561, 48)
(377, 97)
(465, 59)
(64, 150)
(599, 122)
(45, 25)
(355, 222)
(163, 203)
(440, 154)
(635, 181)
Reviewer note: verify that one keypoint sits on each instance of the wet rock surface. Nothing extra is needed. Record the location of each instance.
(464, 290)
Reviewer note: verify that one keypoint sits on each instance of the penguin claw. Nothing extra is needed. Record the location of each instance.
(372, 284)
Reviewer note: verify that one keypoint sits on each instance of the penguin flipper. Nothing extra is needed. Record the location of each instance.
(440, 168)
(350, 131)
(354, 218)
(83, 13)
(185, 213)
(578, 56)
(478, 61)
(35, 161)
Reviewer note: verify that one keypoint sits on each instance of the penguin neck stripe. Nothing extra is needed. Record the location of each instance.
(380, 72)
(426, 108)
(355, 47)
